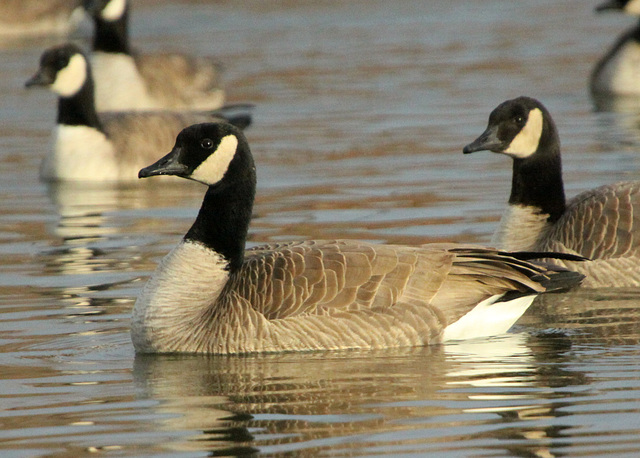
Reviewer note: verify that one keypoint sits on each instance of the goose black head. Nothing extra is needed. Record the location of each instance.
(519, 128)
(626, 6)
(63, 69)
(211, 153)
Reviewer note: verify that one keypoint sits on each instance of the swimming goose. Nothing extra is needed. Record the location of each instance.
(618, 71)
(602, 224)
(209, 295)
(38, 17)
(109, 146)
(131, 81)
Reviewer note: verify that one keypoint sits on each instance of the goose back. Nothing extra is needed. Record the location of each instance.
(38, 17)
(178, 81)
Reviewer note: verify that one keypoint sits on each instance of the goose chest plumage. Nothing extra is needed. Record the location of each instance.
(618, 71)
(128, 80)
(111, 146)
(602, 224)
(209, 295)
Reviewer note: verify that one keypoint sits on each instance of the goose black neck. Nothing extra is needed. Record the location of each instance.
(537, 180)
(80, 109)
(112, 36)
(635, 32)
(223, 221)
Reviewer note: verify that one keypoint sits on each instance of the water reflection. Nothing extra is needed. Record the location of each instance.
(500, 392)
(607, 316)
(89, 232)
(90, 268)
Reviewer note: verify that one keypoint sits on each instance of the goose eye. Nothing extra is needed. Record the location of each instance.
(206, 143)
(519, 120)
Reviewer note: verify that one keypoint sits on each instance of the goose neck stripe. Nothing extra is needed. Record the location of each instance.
(215, 166)
(526, 142)
(71, 78)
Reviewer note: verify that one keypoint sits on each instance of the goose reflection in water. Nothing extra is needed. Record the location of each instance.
(399, 401)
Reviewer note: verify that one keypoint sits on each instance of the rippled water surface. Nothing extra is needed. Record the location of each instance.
(362, 111)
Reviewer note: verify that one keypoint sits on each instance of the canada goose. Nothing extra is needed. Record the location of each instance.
(112, 146)
(602, 224)
(618, 71)
(38, 17)
(131, 81)
(208, 295)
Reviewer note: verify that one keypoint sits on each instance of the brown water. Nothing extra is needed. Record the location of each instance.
(363, 109)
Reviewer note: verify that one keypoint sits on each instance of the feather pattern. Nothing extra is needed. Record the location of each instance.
(322, 295)
(602, 225)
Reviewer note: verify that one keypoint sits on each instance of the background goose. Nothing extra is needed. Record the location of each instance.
(112, 146)
(208, 295)
(38, 17)
(602, 224)
(131, 81)
(618, 71)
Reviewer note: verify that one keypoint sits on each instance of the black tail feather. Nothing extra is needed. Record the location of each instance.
(238, 114)
(528, 255)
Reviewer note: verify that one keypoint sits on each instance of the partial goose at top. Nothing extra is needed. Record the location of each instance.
(24, 18)
(88, 146)
(128, 80)
(602, 224)
(618, 71)
(209, 295)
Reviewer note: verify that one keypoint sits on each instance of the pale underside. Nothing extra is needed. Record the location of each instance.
(319, 295)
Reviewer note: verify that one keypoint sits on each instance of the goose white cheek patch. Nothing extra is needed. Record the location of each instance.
(633, 7)
(215, 166)
(71, 78)
(526, 142)
(114, 10)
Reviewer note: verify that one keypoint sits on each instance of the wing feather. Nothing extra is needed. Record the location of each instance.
(332, 277)
(599, 224)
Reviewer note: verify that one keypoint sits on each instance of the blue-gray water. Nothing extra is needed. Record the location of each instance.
(362, 111)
